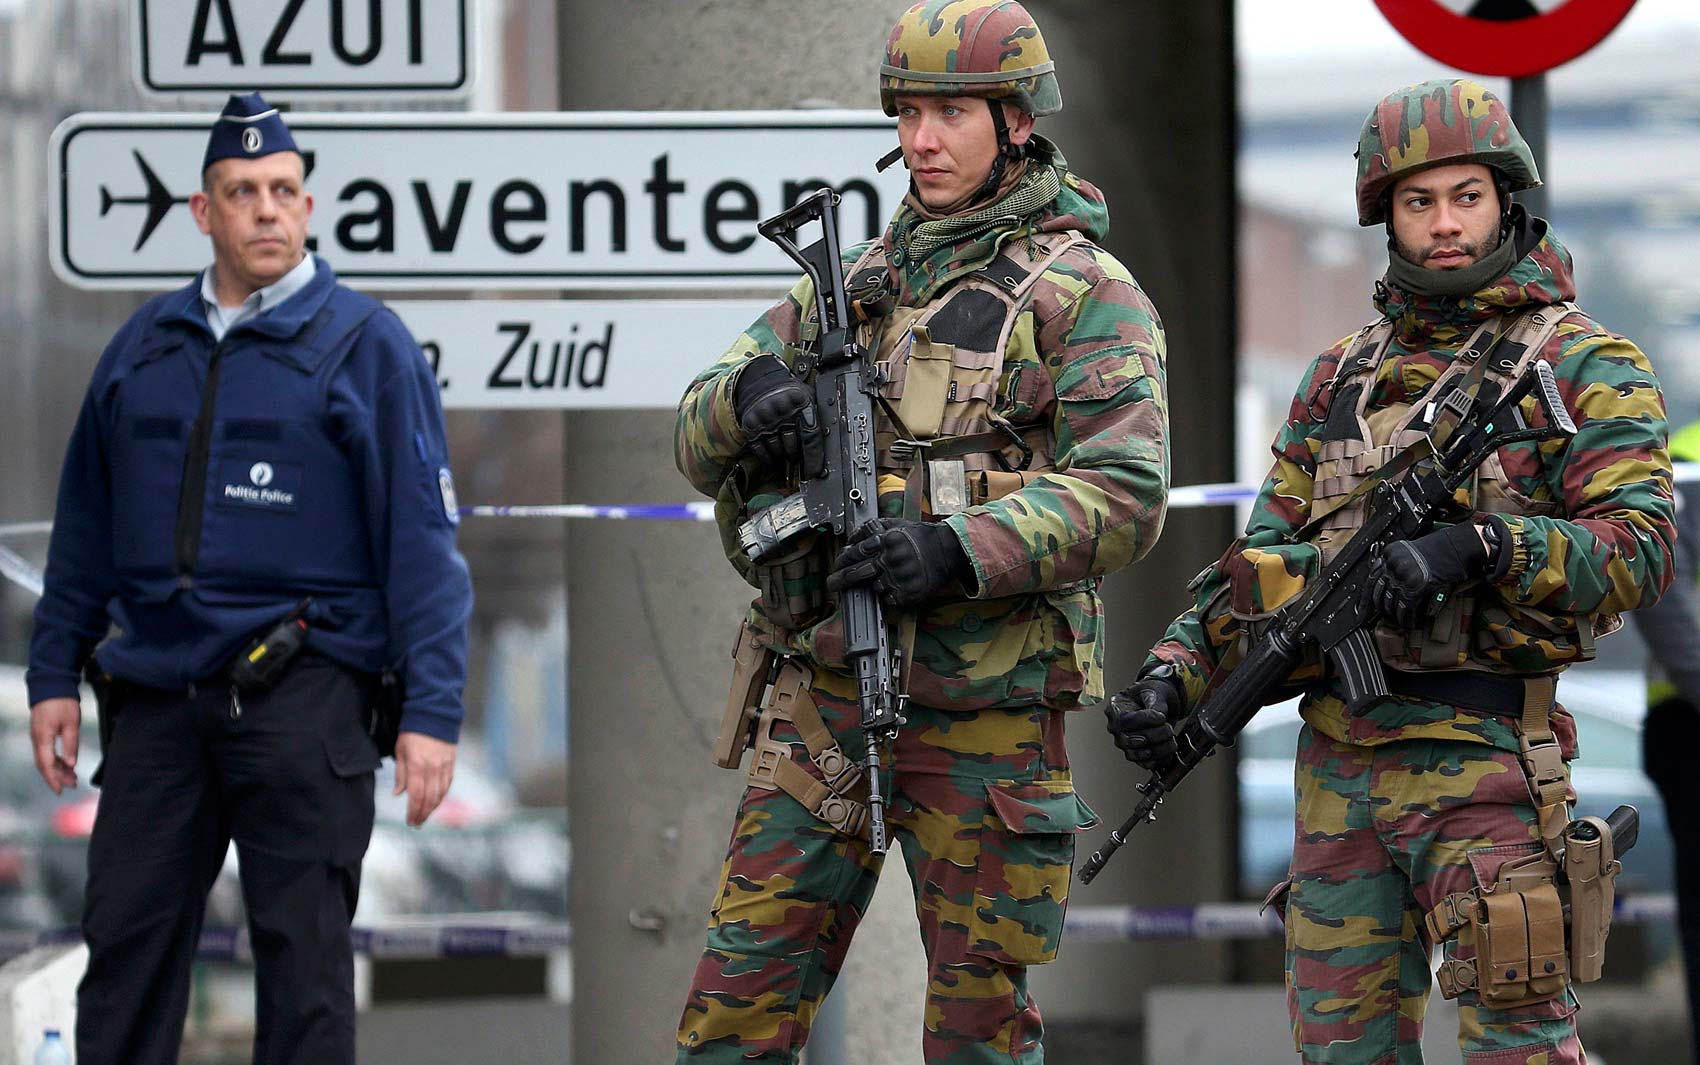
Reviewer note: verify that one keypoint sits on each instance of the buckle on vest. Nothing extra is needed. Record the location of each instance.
(1543, 763)
(1016, 440)
(840, 772)
(905, 450)
(1455, 977)
(1451, 913)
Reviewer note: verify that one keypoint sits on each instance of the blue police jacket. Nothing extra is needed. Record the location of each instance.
(209, 488)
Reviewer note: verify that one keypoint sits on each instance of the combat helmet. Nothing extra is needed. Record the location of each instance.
(989, 48)
(1435, 123)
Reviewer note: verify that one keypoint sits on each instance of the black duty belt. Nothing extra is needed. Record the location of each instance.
(1471, 689)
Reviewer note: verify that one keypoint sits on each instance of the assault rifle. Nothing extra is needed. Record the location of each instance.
(1333, 613)
(846, 494)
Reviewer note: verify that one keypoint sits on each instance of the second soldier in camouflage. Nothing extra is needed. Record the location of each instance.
(1419, 802)
(1024, 456)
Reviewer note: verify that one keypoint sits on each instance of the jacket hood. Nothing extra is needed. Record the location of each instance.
(1078, 206)
(1542, 275)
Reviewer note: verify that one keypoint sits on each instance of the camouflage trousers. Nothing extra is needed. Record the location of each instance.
(1383, 832)
(984, 812)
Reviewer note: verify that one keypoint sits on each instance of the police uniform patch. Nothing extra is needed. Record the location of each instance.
(251, 140)
(262, 485)
(446, 485)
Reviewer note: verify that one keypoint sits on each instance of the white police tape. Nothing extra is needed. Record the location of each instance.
(17, 569)
(402, 941)
(20, 572)
(497, 939)
(1249, 920)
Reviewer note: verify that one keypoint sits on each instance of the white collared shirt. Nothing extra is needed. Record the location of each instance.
(223, 319)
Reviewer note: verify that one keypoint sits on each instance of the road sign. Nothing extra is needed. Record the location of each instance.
(612, 200)
(573, 355)
(1508, 38)
(299, 49)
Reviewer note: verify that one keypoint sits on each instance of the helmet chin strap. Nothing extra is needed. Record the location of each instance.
(1007, 152)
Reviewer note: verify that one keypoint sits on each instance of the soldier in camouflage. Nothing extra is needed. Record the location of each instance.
(1023, 455)
(1425, 794)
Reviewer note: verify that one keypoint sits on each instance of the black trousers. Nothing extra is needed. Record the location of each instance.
(1669, 741)
(288, 775)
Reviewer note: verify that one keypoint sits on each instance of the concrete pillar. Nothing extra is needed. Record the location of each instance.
(652, 607)
(1149, 116)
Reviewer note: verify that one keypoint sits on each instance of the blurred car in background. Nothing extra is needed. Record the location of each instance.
(1608, 705)
(480, 852)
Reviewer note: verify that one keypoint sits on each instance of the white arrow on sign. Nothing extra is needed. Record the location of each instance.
(603, 200)
(573, 355)
(303, 49)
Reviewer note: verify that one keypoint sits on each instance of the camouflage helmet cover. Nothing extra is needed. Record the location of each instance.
(1436, 123)
(989, 48)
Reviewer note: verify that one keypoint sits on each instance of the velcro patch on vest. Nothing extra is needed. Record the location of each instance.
(260, 485)
(157, 429)
(971, 319)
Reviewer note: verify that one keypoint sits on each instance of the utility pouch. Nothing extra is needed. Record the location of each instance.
(793, 584)
(752, 670)
(926, 388)
(1520, 957)
(1517, 924)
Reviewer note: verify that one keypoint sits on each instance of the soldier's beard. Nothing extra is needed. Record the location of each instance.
(1476, 252)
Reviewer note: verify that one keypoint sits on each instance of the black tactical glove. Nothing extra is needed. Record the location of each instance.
(910, 561)
(1141, 717)
(1411, 577)
(777, 411)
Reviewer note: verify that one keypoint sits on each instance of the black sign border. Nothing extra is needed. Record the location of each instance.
(399, 280)
(282, 91)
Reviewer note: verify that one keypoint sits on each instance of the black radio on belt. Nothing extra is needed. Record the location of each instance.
(265, 659)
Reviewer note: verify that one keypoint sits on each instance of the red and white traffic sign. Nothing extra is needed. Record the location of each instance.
(1506, 38)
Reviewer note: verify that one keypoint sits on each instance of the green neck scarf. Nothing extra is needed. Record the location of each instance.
(1039, 188)
(1465, 281)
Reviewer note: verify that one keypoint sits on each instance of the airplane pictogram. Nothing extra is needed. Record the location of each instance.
(158, 200)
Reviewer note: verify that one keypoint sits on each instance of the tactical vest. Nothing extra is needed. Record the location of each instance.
(941, 443)
(1357, 442)
(942, 363)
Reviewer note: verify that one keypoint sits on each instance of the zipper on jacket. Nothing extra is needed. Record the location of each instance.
(191, 499)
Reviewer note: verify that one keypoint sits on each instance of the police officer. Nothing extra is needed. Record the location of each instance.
(1026, 459)
(259, 464)
(1671, 734)
(1409, 808)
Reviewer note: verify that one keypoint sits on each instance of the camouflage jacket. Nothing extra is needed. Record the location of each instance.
(1605, 551)
(1085, 360)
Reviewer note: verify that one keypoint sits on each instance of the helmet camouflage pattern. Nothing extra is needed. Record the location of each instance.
(1436, 123)
(989, 48)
